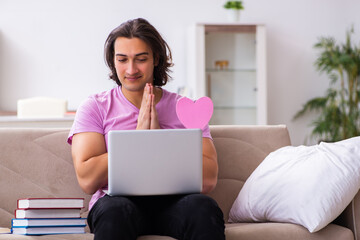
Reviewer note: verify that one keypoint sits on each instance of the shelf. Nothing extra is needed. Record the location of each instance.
(227, 62)
(12, 121)
(231, 70)
(230, 28)
(234, 115)
(233, 107)
(35, 119)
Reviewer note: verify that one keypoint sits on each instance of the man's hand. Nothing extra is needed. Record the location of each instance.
(147, 118)
(154, 124)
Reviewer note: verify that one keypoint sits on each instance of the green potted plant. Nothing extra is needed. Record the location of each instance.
(233, 9)
(339, 110)
(238, 5)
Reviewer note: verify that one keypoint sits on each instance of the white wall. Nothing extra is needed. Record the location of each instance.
(55, 48)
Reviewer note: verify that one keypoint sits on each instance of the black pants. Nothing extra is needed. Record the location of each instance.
(183, 217)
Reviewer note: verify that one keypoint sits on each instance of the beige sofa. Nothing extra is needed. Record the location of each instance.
(37, 163)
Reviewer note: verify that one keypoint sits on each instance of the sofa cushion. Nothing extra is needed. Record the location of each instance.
(305, 185)
(284, 231)
(87, 236)
(235, 231)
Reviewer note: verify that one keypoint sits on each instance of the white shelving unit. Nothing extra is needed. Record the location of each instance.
(12, 121)
(237, 89)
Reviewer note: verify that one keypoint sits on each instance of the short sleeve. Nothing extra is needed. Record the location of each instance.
(206, 132)
(88, 118)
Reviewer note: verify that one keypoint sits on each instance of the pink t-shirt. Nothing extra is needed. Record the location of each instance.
(110, 110)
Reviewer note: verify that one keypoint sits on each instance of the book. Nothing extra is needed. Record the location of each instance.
(48, 213)
(49, 222)
(5, 230)
(47, 230)
(50, 203)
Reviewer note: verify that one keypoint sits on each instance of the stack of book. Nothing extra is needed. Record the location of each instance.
(38, 216)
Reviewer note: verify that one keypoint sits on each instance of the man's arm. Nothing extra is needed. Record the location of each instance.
(210, 166)
(90, 160)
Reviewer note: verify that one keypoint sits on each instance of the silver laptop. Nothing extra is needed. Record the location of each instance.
(154, 162)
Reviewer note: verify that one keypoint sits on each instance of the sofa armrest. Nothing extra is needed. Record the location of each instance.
(350, 217)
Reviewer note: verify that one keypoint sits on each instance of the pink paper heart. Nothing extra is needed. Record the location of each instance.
(194, 114)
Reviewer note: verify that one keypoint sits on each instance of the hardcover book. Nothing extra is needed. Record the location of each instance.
(48, 222)
(50, 203)
(47, 213)
(47, 230)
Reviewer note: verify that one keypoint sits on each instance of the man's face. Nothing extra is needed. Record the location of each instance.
(134, 63)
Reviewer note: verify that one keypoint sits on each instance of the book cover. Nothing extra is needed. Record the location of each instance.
(48, 222)
(47, 213)
(50, 203)
(47, 230)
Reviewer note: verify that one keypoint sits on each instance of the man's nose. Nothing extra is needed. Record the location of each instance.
(132, 68)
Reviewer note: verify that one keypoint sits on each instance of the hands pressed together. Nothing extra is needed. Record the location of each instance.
(148, 118)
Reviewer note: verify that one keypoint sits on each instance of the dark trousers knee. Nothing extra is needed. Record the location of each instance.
(203, 219)
(115, 218)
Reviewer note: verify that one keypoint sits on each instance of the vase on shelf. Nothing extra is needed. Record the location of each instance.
(233, 10)
(233, 15)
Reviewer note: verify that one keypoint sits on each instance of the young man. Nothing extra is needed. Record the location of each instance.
(139, 60)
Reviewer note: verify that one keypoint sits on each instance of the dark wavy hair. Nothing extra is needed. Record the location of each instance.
(142, 29)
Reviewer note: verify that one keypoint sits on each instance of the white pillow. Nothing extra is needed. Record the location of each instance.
(309, 186)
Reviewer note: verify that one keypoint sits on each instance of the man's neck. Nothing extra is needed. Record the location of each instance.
(135, 97)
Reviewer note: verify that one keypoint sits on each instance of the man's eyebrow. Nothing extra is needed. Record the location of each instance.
(136, 55)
